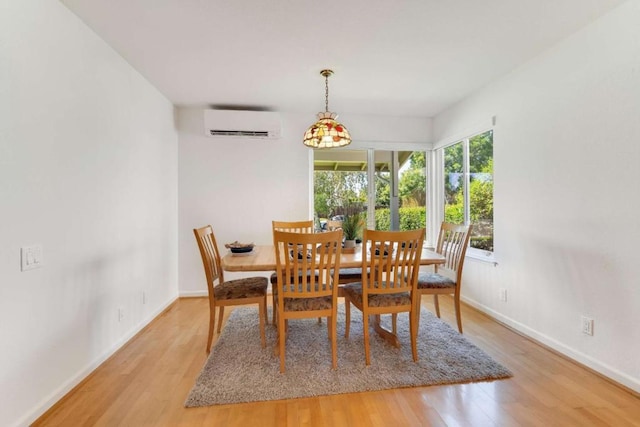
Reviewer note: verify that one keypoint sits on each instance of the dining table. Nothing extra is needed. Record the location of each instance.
(263, 258)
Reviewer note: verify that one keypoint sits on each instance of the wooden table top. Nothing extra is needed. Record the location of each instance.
(263, 258)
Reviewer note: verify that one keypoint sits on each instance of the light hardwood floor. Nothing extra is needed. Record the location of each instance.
(147, 381)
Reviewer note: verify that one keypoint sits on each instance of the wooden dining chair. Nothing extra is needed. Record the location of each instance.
(453, 241)
(307, 267)
(250, 290)
(391, 260)
(292, 227)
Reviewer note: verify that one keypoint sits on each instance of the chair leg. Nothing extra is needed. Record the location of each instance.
(365, 325)
(276, 347)
(436, 304)
(456, 300)
(328, 328)
(273, 305)
(262, 314)
(347, 316)
(212, 327)
(266, 314)
(282, 337)
(394, 321)
(334, 342)
(220, 315)
(413, 329)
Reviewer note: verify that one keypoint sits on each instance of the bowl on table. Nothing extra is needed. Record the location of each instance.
(239, 248)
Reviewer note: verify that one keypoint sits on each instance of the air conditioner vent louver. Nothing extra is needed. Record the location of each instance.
(242, 124)
(247, 133)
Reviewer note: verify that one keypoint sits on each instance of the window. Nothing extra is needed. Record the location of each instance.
(396, 198)
(468, 187)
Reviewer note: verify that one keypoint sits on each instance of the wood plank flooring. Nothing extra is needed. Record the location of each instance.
(147, 381)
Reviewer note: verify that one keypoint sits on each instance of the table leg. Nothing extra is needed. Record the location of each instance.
(384, 333)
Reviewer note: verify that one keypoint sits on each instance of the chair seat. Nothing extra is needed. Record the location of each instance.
(434, 281)
(249, 287)
(354, 290)
(307, 304)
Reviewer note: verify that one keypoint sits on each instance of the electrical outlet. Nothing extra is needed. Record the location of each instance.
(503, 294)
(120, 314)
(30, 257)
(587, 325)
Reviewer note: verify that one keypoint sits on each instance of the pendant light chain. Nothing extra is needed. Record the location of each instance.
(326, 92)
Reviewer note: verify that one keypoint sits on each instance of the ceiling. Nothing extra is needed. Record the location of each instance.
(390, 57)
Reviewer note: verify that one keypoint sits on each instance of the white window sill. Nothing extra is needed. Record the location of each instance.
(476, 254)
(480, 255)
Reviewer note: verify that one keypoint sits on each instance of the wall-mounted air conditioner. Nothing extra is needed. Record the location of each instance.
(242, 124)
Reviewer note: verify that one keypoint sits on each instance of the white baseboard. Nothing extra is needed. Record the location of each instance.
(58, 394)
(577, 356)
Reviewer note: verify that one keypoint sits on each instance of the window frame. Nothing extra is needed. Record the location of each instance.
(438, 192)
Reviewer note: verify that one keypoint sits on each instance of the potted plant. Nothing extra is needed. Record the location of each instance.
(352, 226)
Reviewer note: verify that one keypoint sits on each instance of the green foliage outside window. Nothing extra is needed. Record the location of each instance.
(413, 182)
(334, 190)
(411, 218)
(454, 213)
(383, 189)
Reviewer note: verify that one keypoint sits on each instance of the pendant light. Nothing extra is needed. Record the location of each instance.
(326, 132)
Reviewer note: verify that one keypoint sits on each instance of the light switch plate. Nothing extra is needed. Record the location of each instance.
(30, 257)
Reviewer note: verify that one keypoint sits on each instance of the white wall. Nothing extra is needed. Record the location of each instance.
(240, 185)
(567, 150)
(88, 169)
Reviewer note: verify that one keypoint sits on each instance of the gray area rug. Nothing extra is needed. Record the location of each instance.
(240, 370)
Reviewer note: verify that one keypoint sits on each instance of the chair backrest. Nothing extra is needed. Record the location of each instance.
(308, 262)
(294, 226)
(210, 256)
(453, 241)
(391, 260)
